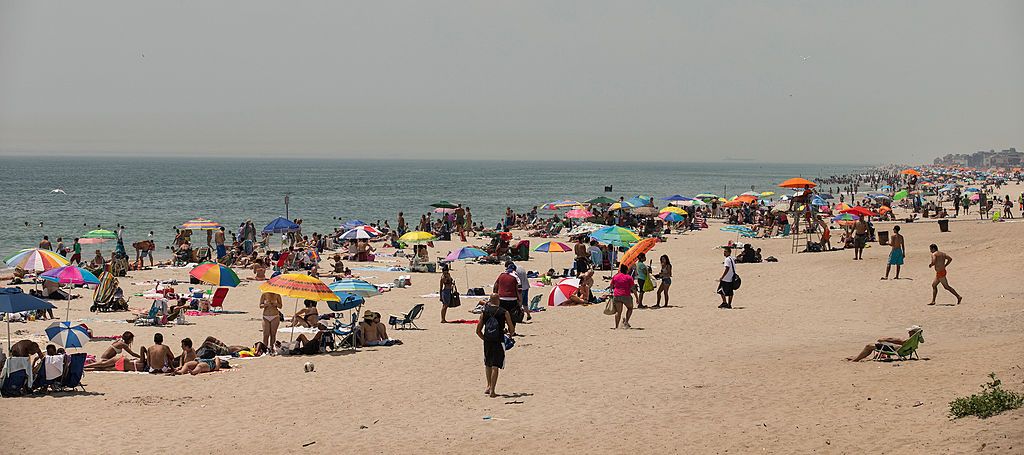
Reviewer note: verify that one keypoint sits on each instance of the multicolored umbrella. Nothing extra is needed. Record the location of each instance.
(200, 224)
(671, 217)
(70, 274)
(215, 274)
(842, 206)
(579, 213)
(64, 334)
(644, 246)
(614, 235)
(552, 247)
(36, 259)
(466, 252)
(672, 209)
(100, 234)
(299, 286)
(417, 237)
(845, 217)
(360, 233)
(563, 290)
(798, 183)
(354, 286)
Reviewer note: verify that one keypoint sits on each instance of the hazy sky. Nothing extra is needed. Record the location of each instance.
(675, 80)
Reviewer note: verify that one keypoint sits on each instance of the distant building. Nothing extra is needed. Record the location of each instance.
(984, 159)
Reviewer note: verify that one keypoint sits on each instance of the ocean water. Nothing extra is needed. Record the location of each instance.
(155, 194)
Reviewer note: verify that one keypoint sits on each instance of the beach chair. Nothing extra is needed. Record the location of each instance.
(153, 317)
(342, 331)
(535, 304)
(16, 377)
(407, 319)
(74, 371)
(906, 351)
(217, 302)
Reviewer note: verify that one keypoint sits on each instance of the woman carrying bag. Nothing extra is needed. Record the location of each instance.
(449, 293)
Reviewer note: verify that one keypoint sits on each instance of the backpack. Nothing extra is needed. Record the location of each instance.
(494, 328)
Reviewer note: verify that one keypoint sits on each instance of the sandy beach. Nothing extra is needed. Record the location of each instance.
(767, 377)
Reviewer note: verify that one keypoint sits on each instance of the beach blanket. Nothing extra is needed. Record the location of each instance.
(431, 296)
(379, 268)
(298, 330)
(199, 313)
(464, 321)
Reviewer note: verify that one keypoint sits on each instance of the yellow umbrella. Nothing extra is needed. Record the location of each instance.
(417, 237)
(615, 206)
(768, 193)
(299, 286)
(673, 209)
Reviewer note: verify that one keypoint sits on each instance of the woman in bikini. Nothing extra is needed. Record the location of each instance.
(271, 304)
(114, 359)
(446, 288)
(666, 280)
(306, 317)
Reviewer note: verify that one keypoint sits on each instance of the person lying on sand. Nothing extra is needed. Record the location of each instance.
(869, 348)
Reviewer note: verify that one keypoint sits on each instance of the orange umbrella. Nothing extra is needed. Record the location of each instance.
(643, 246)
(909, 172)
(883, 209)
(798, 183)
(733, 203)
(746, 198)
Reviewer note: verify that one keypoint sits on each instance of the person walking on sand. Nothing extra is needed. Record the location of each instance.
(446, 287)
(860, 238)
(940, 261)
(665, 275)
(897, 254)
(727, 282)
(623, 291)
(494, 321)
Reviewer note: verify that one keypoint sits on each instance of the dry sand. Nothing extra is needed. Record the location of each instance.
(768, 377)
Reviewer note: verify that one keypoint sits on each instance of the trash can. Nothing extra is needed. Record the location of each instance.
(944, 225)
(883, 237)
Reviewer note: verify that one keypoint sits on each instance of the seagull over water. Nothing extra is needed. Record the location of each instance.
(805, 57)
(58, 190)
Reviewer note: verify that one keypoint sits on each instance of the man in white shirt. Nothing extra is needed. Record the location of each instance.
(726, 283)
(524, 289)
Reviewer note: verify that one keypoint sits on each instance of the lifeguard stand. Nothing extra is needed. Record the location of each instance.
(802, 234)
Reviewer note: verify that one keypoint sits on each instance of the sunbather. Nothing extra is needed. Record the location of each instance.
(309, 345)
(306, 317)
(869, 348)
(159, 357)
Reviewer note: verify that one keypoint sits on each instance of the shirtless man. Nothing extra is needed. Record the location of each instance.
(860, 238)
(868, 349)
(940, 261)
(897, 254)
(582, 255)
(159, 357)
(219, 240)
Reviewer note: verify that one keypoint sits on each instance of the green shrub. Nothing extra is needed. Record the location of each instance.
(991, 401)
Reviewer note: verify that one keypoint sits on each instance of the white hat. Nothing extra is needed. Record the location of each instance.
(913, 328)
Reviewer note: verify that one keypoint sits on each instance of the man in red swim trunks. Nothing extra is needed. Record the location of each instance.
(940, 260)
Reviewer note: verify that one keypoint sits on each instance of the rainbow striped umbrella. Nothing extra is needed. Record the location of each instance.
(553, 247)
(36, 259)
(215, 274)
(200, 224)
(299, 286)
(673, 209)
(417, 237)
(466, 252)
(614, 235)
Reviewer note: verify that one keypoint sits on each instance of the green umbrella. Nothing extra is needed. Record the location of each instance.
(443, 205)
(902, 194)
(100, 234)
(601, 200)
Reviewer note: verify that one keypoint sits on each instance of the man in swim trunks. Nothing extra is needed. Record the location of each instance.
(940, 261)
(159, 356)
(860, 238)
(897, 254)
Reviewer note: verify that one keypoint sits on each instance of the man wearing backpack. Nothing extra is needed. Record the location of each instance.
(491, 329)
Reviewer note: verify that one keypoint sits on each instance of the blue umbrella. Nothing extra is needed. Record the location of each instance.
(354, 286)
(827, 196)
(14, 300)
(281, 225)
(347, 302)
(885, 187)
(816, 200)
(69, 336)
(352, 224)
(676, 198)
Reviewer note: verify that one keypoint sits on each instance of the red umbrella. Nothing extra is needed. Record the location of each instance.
(859, 211)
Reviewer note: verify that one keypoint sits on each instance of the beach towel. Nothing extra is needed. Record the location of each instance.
(18, 363)
(53, 366)
(464, 321)
(298, 330)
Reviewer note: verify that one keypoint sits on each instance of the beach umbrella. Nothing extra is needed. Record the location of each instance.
(552, 247)
(972, 190)
(443, 205)
(614, 235)
(842, 206)
(215, 274)
(637, 201)
(299, 286)
(62, 333)
(755, 194)
(100, 234)
(798, 183)
(676, 198)
(767, 193)
(845, 217)
(860, 211)
(816, 200)
(359, 233)
(671, 209)
(671, 217)
(281, 225)
(346, 302)
(466, 252)
(615, 206)
(443, 210)
(354, 286)
(563, 290)
(352, 224)
(706, 196)
(200, 224)
(885, 187)
(693, 203)
(70, 274)
(900, 195)
(645, 211)
(733, 204)
(36, 259)
(630, 256)
(417, 237)
(15, 300)
(600, 200)
(579, 213)
(910, 172)
(738, 229)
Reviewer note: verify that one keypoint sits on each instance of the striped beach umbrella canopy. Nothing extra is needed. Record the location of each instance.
(354, 286)
(36, 259)
(299, 286)
(706, 196)
(70, 274)
(64, 334)
(841, 206)
(417, 237)
(644, 246)
(671, 217)
(200, 224)
(553, 247)
(614, 235)
(673, 209)
(563, 290)
(360, 233)
(215, 274)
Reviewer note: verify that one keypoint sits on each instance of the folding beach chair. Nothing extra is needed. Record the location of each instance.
(217, 302)
(535, 304)
(407, 319)
(906, 351)
(74, 371)
(15, 376)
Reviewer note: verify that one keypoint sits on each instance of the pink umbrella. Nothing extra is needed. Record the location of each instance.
(563, 291)
(579, 213)
(70, 274)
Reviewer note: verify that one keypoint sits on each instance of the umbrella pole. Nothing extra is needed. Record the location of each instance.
(467, 276)
(291, 337)
(9, 351)
(67, 313)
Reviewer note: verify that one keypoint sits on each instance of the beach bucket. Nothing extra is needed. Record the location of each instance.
(883, 237)
(943, 225)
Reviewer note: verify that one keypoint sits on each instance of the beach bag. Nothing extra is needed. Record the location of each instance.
(648, 285)
(493, 329)
(609, 307)
(455, 300)
(736, 281)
